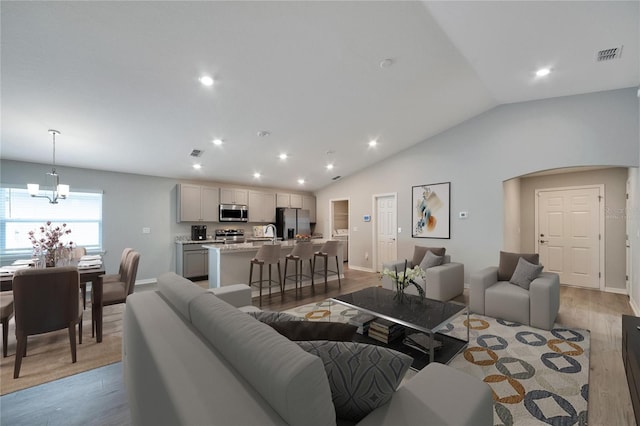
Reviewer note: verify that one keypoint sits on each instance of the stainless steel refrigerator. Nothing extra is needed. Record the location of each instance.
(290, 222)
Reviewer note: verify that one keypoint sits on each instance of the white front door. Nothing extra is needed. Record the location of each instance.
(386, 237)
(569, 233)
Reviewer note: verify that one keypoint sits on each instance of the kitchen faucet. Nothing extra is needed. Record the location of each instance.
(275, 233)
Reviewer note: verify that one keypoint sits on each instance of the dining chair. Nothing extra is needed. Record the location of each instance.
(123, 264)
(46, 300)
(75, 254)
(6, 312)
(116, 292)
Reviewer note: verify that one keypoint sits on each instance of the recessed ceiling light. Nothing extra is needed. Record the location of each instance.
(197, 166)
(206, 80)
(263, 133)
(301, 181)
(542, 72)
(256, 175)
(386, 63)
(373, 143)
(330, 166)
(283, 156)
(217, 142)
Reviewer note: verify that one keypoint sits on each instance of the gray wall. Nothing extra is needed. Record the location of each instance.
(477, 156)
(614, 180)
(130, 203)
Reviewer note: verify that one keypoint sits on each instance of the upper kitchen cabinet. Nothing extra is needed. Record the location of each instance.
(309, 203)
(262, 207)
(234, 196)
(293, 201)
(197, 203)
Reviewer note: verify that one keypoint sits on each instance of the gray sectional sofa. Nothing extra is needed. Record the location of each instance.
(192, 358)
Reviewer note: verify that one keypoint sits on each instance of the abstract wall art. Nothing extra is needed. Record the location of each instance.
(431, 210)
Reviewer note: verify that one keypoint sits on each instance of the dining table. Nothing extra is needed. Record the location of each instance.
(92, 275)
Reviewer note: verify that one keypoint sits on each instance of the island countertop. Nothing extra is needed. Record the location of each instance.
(230, 263)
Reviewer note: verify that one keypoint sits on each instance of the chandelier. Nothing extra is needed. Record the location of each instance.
(59, 191)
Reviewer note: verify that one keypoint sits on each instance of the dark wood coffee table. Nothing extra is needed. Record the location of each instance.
(424, 315)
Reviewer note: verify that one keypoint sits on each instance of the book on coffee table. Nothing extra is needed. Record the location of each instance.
(421, 342)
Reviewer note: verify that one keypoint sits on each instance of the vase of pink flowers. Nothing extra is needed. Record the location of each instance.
(47, 242)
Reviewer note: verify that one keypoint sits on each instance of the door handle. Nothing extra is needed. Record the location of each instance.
(542, 241)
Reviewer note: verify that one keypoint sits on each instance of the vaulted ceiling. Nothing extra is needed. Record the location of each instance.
(120, 80)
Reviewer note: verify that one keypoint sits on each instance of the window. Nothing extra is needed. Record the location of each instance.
(21, 213)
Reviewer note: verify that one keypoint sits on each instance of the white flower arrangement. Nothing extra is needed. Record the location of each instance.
(405, 278)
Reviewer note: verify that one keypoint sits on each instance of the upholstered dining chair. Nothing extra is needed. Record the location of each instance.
(123, 264)
(268, 254)
(116, 292)
(302, 252)
(75, 254)
(6, 312)
(46, 300)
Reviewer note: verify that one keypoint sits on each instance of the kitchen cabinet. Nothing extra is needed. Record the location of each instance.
(234, 196)
(309, 203)
(197, 203)
(262, 207)
(192, 261)
(293, 201)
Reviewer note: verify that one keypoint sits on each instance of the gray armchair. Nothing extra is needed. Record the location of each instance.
(442, 282)
(537, 306)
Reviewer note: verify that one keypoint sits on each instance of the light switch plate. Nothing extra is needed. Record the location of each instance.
(146, 230)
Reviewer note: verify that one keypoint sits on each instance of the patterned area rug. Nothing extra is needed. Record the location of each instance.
(537, 376)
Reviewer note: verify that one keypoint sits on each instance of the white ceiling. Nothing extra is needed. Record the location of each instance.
(120, 79)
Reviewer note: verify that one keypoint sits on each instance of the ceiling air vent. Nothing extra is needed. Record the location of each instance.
(609, 54)
(336, 177)
(196, 153)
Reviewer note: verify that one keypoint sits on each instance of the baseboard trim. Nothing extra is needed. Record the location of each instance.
(616, 290)
(360, 268)
(635, 307)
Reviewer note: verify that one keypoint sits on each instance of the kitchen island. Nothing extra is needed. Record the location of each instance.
(230, 263)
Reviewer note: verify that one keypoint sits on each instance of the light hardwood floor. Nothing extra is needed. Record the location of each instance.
(61, 402)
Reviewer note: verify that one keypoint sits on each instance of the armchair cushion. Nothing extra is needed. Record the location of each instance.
(525, 273)
(509, 261)
(430, 260)
(419, 252)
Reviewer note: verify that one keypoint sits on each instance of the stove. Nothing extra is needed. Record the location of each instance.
(230, 236)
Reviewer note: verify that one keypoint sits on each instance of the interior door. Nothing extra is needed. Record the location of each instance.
(627, 242)
(386, 235)
(568, 239)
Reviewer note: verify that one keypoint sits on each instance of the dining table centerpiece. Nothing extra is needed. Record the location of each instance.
(47, 242)
(404, 279)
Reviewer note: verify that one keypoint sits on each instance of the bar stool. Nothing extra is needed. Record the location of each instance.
(268, 254)
(6, 312)
(302, 251)
(328, 249)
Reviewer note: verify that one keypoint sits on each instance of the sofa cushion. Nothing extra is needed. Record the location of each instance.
(315, 330)
(179, 291)
(293, 382)
(419, 252)
(525, 273)
(362, 377)
(509, 261)
(430, 260)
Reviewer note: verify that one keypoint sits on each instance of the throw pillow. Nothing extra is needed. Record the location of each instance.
(509, 261)
(361, 377)
(419, 252)
(525, 273)
(269, 316)
(430, 260)
(315, 330)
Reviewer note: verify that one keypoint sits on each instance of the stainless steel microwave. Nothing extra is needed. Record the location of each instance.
(234, 213)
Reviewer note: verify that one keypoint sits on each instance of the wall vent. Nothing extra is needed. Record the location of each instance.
(196, 153)
(609, 54)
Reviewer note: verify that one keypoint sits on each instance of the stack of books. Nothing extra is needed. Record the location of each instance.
(385, 331)
(362, 321)
(421, 342)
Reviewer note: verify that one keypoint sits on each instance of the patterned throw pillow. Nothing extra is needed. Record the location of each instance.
(270, 316)
(361, 377)
(315, 330)
(525, 273)
(430, 260)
